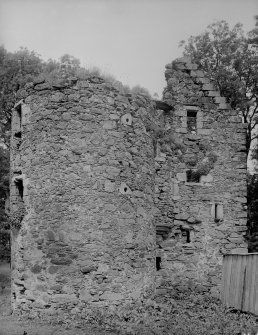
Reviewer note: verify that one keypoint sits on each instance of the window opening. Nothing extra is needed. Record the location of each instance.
(17, 134)
(192, 176)
(186, 235)
(218, 212)
(158, 263)
(192, 121)
(19, 185)
(19, 115)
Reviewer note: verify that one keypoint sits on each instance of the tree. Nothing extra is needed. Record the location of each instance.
(15, 70)
(253, 34)
(229, 57)
(140, 90)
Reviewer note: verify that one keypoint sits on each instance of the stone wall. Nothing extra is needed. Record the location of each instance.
(202, 153)
(82, 185)
(95, 172)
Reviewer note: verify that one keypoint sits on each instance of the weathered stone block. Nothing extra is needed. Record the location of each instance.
(213, 94)
(126, 119)
(87, 267)
(109, 125)
(112, 296)
(239, 251)
(204, 132)
(206, 179)
(208, 87)
(85, 296)
(182, 216)
(181, 176)
(220, 100)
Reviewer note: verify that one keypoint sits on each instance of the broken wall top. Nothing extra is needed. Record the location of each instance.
(187, 85)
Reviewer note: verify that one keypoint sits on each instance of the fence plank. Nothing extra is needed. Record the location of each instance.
(248, 278)
(240, 282)
(233, 282)
(255, 310)
(225, 279)
(253, 275)
(228, 275)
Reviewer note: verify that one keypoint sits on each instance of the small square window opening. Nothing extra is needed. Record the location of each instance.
(192, 122)
(192, 176)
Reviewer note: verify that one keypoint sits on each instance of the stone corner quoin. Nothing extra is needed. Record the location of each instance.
(115, 196)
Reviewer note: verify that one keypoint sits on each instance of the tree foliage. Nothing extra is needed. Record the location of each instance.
(15, 70)
(229, 57)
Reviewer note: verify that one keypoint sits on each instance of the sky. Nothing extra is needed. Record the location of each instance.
(130, 39)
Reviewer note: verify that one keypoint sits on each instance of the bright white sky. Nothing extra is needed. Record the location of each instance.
(131, 39)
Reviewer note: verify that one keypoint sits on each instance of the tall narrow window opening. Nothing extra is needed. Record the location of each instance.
(20, 188)
(19, 113)
(218, 212)
(188, 240)
(158, 263)
(186, 235)
(192, 122)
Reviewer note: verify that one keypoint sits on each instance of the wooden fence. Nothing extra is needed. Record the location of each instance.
(240, 282)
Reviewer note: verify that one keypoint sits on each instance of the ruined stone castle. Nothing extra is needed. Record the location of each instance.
(116, 197)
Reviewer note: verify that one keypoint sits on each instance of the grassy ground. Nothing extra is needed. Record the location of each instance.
(173, 314)
(9, 325)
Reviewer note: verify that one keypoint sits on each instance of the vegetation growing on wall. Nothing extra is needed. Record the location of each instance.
(219, 53)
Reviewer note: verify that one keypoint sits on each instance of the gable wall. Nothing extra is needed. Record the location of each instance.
(192, 251)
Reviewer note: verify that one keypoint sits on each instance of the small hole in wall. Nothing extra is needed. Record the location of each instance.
(158, 263)
(18, 134)
(192, 176)
(125, 189)
(127, 120)
(191, 121)
(14, 295)
(188, 240)
(22, 291)
(19, 185)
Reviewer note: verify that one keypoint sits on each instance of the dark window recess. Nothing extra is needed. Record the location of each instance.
(19, 113)
(188, 240)
(163, 231)
(19, 185)
(186, 235)
(192, 122)
(158, 263)
(218, 215)
(192, 176)
(17, 134)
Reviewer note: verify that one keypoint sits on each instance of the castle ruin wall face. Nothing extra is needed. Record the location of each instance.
(103, 184)
(82, 186)
(204, 146)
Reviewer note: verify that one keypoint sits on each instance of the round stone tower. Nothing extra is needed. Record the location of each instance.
(82, 185)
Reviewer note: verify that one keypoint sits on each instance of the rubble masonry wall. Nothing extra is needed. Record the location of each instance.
(82, 187)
